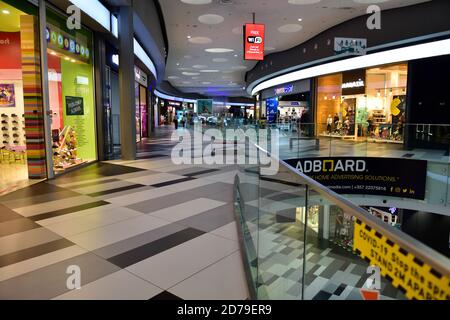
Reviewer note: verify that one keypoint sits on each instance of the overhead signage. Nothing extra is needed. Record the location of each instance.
(60, 41)
(354, 82)
(394, 177)
(140, 76)
(284, 90)
(355, 46)
(254, 41)
(408, 273)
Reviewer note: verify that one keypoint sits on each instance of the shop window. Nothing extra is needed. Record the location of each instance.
(330, 114)
(21, 110)
(71, 89)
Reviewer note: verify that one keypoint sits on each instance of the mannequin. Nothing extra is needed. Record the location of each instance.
(329, 123)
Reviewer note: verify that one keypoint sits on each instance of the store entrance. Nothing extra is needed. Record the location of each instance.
(71, 95)
(15, 171)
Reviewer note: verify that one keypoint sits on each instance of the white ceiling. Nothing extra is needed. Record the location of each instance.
(191, 68)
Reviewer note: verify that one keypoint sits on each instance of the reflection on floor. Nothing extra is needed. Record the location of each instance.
(144, 229)
(14, 177)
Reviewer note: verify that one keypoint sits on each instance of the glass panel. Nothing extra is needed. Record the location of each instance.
(333, 271)
(71, 89)
(280, 239)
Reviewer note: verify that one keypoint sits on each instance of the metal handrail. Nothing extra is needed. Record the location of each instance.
(431, 257)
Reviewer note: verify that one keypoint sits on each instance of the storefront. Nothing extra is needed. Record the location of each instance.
(22, 146)
(142, 111)
(71, 94)
(289, 106)
(367, 104)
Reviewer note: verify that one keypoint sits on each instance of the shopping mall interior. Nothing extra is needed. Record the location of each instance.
(224, 150)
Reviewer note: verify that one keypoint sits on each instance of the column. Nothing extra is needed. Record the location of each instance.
(126, 84)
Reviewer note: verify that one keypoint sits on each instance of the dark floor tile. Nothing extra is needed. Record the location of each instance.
(97, 170)
(166, 296)
(199, 173)
(117, 190)
(62, 212)
(340, 289)
(38, 199)
(170, 183)
(6, 214)
(155, 156)
(94, 183)
(33, 252)
(151, 249)
(322, 295)
(35, 190)
(17, 225)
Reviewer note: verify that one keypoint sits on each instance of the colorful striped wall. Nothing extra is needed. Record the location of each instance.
(32, 89)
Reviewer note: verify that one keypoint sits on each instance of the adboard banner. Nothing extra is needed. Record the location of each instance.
(394, 177)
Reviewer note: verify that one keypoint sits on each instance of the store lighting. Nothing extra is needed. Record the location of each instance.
(73, 61)
(4, 11)
(115, 26)
(420, 51)
(143, 56)
(300, 19)
(53, 53)
(67, 58)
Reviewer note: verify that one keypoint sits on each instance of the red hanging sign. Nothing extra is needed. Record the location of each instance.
(254, 41)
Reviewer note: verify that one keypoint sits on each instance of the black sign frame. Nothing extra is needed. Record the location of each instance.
(72, 103)
(393, 177)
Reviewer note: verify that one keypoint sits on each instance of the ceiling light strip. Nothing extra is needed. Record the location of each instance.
(427, 50)
(143, 56)
(167, 97)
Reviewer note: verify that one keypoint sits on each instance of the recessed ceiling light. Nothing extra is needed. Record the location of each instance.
(220, 60)
(199, 66)
(235, 55)
(211, 19)
(197, 2)
(200, 40)
(191, 73)
(4, 11)
(189, 37)
(300, 19)
(239, 67)
(304, 1)
(219, 50)
(290, 28)
(209, 71)
(178, 63)
(173, 77)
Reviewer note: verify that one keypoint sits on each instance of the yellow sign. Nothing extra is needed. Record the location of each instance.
(413, 277)
(394, 106)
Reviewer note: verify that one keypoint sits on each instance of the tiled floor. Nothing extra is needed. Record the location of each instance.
(144, 229)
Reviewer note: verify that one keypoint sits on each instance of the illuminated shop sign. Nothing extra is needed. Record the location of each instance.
(284, 90)
(140, 76)
(62, 42)
(355, 84)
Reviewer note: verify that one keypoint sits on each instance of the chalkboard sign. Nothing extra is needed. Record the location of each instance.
(74, 106)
